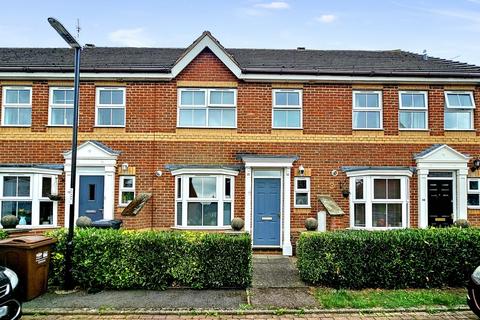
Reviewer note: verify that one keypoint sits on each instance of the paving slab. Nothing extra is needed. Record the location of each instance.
(270, 271)
(134, 299)
(286, 298)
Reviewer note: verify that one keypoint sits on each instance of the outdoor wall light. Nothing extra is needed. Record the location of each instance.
(124, 166)
(475, 165)
(301, 170)
(158, 173)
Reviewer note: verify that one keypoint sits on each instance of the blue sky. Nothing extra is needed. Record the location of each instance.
(445, 28)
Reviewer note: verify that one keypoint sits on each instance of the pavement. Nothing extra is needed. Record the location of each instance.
(277, 292)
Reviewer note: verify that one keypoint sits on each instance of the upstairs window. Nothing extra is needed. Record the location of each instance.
(127, 190)
(459, 110)
(207, 108)
(473, 198)
(61, 106)
(287, 109)
(367, 110)
(413, 113)
(17, 106)
(110, 110)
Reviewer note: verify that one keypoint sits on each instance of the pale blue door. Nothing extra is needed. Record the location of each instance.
(266, 212)
(91, 196)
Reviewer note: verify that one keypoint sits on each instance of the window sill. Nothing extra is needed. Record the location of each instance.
(201, 228)
(302, 207)
(413, 130)
(473, 207)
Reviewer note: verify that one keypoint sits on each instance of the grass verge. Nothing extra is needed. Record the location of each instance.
(389, 299)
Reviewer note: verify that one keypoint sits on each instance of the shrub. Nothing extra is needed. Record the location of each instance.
(114, 259)
(3, 234)
(413, 258)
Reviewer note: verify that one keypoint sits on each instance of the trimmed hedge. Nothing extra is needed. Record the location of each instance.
(3, 234)
(413, 258)
(113, 259)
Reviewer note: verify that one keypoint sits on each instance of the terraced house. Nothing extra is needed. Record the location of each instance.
(370, 139)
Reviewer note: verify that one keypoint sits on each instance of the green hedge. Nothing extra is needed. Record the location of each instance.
(113, 259)
(411, 258)
(3, 234)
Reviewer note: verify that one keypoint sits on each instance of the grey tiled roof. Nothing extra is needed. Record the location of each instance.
(105, 147)
(428, 150)
(161, 60)
(50, 166)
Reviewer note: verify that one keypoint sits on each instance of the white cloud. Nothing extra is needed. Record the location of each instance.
(274, 5)
(326, 18)
(130, 37)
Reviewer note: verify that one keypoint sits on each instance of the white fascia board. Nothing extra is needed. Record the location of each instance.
(211, 171)
(359, 173)
(195, 51)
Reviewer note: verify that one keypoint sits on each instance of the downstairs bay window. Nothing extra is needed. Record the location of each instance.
(26, 195)
(204, 201)
(378, 202)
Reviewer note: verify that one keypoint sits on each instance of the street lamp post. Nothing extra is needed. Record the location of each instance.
(78, 48)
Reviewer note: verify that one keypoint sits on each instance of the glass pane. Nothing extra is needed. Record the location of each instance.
(358, 188)
(418, 120)
(199, 117)
(302, 199)
(104, 116)
(228, 118)
(394, 215)
(118, 116)
(69, 96)
(105, 97)
(405, 120)
(179, 188)
(209, 188)
(281, 98)
(24, 96)
(473, 199)
(293, 119)
(279, 118)
(227, 213)
(419, 100)
(69, 116)
(9, 186)
(199, 98)
(186, 98)
(407, 100)
(11, 96)
(11, 116)
(228, 188)
(359, 218)
(24, 116)
(293, 99)
(373, 120)
(380, 189)
(203, 187)
(359, 119)
(465, 100)
(394, 189)
(46, 213)
(301, 184)
(117, 96)
(214, 117)
(464, 120)
(453, 100)
(450, 120)
(179, 213)
(194, 214)
(228, 97)
(46, 186)
(372, 100)
(186, 116)
(58, 116)
(210, 211)
(379, 215)
(473, 184)
(127, 196)
(25, 212)
(23, 186)
(59, 96)
(195, 187)
(128, 182)
(9, 208)
(215, 97)
(91, 192)
(360, 100)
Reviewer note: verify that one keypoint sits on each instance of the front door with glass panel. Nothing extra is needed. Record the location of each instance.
(440, 203)
(91, 197)
(266, 211)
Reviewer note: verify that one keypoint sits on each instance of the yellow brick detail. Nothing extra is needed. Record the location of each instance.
(460, 134)
(459, 87)
(287, 85)
(110, 83)
(367, 133)
(367, 86)
(408, 133)
(207, 84)
(286, 132)
(415, 87)
(63, 83)
(16, 83)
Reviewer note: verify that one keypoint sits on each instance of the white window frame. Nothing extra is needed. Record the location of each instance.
(220, 199)
(464, 109)
(472, 191)
(35, 197)
(122, 189)
(359, 109)
(369, 200)
(207, 106)
(297, 190)
(287, 107)
(413, 109)
(16, 105)
(52, 105)
(111, 106)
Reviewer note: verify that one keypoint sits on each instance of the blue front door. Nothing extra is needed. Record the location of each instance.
(91, 197)
(266, 212)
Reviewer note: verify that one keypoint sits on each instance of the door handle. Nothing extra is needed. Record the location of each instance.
(268, 218)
